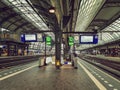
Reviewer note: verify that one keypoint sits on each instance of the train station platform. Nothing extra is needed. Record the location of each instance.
(31, 77)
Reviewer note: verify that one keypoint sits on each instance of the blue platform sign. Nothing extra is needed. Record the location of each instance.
(88, 39)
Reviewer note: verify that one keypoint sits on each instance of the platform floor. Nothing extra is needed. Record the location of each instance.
(49, 78)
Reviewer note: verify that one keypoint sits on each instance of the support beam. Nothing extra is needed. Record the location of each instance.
(8, 17)
(98, 22)
(42, 31)
(14, 22)
(115, 17)
(5, 9)
(109, 31)
(112, 4)
(20, 26)
(72, 12)
(79, 32)
(58, 37)
(28, 1)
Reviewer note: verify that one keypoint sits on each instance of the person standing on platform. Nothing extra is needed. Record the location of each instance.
(62, 60)
(72, 59)
(75, 61)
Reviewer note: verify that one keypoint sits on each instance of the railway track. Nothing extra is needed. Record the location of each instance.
(16, 60)
(111, 67)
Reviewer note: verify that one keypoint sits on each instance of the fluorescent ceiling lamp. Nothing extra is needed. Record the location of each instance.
(51, 10)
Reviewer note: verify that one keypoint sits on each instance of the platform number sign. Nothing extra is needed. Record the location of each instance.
(48, 40)
(71, 41)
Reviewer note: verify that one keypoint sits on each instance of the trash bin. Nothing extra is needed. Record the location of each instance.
(41, 62)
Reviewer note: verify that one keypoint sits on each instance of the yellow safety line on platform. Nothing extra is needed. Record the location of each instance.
(98, 84)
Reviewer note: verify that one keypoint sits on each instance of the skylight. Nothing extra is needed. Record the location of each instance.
(87, 11)
(26, 10)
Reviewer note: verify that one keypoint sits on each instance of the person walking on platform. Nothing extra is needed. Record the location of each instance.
(75, 61)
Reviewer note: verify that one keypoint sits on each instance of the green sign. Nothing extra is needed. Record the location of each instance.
(48, 40)
(71, 40)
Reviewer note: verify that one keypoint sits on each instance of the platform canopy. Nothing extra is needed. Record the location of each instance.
(102, 17)
(32, 16)
(19, 16)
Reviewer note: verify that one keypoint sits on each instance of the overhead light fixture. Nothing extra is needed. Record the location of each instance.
(96, 27)
(52, 10)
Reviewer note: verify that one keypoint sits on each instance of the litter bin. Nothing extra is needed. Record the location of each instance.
(41, 62)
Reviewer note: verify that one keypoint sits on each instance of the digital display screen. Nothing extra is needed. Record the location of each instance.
(29, 38)
(88, 39)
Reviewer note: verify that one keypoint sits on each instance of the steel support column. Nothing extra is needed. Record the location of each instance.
(58, 38)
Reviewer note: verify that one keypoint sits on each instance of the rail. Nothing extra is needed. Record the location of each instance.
(16, 60)
(110, 66)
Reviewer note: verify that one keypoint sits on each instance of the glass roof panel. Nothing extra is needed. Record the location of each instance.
(22, 7)
(110, 28)
(88, 8)
(116, 34)
(114, 25)
(86, 14)
(106, 36)
(117, 25)
(26, 9)
(118, 20)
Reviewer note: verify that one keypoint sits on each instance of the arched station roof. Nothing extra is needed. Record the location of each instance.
(32, 16)
(102, 17)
